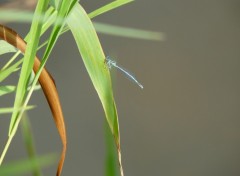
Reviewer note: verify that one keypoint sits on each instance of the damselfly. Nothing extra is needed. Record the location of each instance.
(110, 63)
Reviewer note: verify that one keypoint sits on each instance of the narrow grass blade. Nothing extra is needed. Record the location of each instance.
(50, 17)
(25, 73)
(6, 90)
(94, 60)
(64, 7)
(10, 110)
(50, 94)
(6, 72)
(10, 61)
(15, 15)
(108, 7)
(27, 63)
(28, 139)
(129, 32)
(27, 165)
(9, 89)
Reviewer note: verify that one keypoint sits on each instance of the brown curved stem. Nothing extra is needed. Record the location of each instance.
(48, 87)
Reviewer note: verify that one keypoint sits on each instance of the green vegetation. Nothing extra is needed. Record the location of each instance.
(61, 16)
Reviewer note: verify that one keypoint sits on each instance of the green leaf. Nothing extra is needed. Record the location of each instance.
(10, 110)
(13, 15)
(6, 72)
(108, 7)
(110, 156)
(16, 15)
(128, 32)
(6, 48)
(65, 7)
(6, 90)
(9, 89)
(50, 17)
(94, 60)
(27, 165)
(28, 139)
(27, 63)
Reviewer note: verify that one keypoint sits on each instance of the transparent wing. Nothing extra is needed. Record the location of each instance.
(111, 63)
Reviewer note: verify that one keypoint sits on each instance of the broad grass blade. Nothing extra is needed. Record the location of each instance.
(94, 60)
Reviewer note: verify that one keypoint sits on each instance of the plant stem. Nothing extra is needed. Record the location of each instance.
(6, 148)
